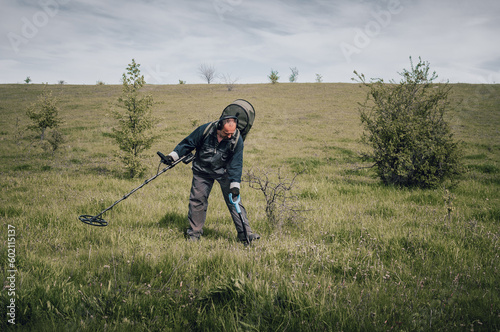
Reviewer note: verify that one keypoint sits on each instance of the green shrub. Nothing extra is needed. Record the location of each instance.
(44, 114)
(134, 132)
(55, 139)
(273, 77)
(294, 75)
(405, 126)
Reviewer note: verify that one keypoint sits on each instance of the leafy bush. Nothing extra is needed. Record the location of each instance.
(55, 139)
(273, 77)
(294, 75)
(404, 124)
(44, 114)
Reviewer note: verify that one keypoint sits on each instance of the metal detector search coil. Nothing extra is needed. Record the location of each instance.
(97, 220)
(93, 220)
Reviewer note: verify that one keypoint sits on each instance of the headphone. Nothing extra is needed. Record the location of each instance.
(220, 122)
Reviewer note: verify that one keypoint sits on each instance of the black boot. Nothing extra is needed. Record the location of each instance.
(251, 237)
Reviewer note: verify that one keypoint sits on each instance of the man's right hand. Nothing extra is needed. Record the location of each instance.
(168, 160)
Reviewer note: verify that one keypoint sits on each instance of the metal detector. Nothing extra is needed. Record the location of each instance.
(97, 219)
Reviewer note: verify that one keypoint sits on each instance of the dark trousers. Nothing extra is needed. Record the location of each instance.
(198, 204)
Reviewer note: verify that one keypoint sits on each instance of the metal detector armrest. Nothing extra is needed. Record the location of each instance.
(188, 159)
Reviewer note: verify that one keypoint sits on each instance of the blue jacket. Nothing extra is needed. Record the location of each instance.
(213, 158)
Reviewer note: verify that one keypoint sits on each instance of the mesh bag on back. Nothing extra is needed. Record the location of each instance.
(245, 113)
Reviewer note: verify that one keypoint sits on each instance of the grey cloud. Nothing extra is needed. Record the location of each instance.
(251, 37)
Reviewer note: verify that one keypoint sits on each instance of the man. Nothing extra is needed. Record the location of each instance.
(219, 156)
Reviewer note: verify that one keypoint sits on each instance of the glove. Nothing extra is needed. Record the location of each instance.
(235, 192)
(168, 160)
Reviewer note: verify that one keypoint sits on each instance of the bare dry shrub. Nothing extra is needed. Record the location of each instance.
(282, 206)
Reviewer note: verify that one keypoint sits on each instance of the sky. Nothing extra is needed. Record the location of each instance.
(90, 41)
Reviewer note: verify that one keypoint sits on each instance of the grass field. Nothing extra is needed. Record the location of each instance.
(363, 257)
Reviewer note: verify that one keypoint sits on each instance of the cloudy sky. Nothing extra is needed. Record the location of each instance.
(85, 41)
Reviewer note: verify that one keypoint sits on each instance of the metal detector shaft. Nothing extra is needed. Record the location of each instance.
(98, 221)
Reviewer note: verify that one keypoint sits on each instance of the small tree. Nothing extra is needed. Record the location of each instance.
(405, 126)
(133, 134)
(319, 78)
(273, 77)
(295, 74)
(207, 72)
(228, 81)
(55, 139)
(44, 114)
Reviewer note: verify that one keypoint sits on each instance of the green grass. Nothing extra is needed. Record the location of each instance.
(364, 257)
